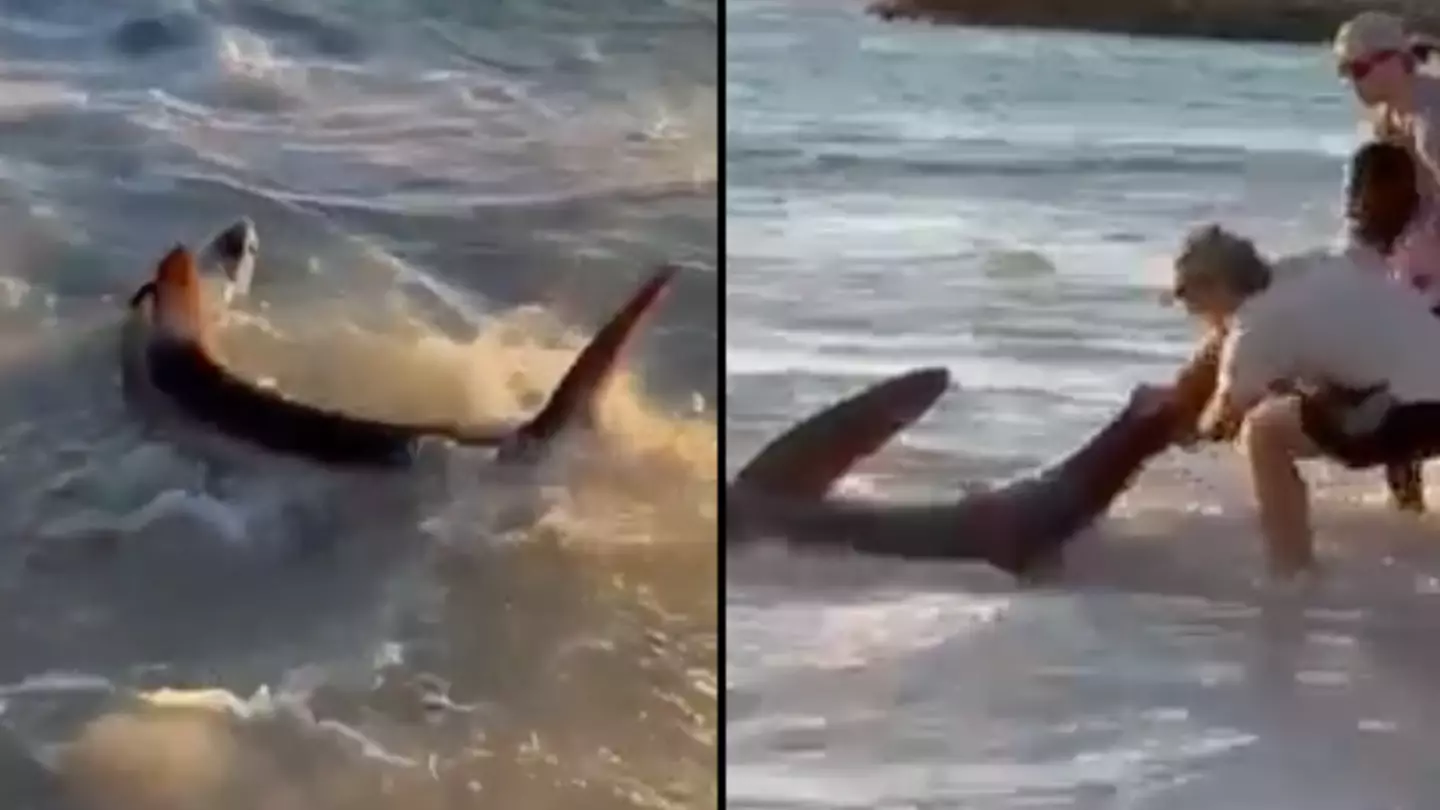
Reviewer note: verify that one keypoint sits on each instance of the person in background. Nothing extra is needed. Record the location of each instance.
(1380, 59)
(1331, 360)
(1392, 230)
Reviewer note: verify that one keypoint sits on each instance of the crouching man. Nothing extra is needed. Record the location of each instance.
(1323, 359)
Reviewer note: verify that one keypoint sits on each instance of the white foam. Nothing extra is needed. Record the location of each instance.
(217, 700)
(227, 522)
(52, 682)
(884, 627)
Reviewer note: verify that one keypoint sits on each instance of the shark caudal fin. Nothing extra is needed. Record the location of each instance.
(577, 393)
(234, 251)
(805, 461)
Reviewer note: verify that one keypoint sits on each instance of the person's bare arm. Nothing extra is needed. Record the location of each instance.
(1246, 373)
(1194, 387)
(1223, 417)
(1427, 148)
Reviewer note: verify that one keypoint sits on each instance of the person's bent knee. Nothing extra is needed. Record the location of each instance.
(1273, 428)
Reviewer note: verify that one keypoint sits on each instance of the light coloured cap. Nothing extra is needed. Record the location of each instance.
(1210, 254)
(1369, 33)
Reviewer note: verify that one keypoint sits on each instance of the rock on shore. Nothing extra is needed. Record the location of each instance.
(1275, 21)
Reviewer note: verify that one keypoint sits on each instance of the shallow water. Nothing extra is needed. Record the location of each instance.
(1002, 203)
(449, 199)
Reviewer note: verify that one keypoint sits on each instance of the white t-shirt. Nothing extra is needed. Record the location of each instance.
(1323, 319)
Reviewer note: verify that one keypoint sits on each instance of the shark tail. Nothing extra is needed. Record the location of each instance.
(578, 393)
(807, 460)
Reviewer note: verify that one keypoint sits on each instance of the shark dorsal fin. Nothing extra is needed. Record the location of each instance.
(808, 459)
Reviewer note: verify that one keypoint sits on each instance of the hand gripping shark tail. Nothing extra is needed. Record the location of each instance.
(1017, 526)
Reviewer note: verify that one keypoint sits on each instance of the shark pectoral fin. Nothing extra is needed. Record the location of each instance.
(807, 460)
(146, 292)
(578, 392)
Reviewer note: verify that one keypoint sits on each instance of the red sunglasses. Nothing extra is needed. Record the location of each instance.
(1357, 69)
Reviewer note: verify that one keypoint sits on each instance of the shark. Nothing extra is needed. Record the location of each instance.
(1021, 526)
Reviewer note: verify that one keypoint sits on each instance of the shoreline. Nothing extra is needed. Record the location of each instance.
(1290, 21)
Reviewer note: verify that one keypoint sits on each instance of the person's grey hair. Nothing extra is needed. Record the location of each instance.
(1213, 253)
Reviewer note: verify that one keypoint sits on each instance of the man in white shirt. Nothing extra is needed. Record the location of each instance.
(1366, 349)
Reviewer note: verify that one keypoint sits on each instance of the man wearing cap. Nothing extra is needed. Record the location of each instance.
(1360, 347)
(1379, 58)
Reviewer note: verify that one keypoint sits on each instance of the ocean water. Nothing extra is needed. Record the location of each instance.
(449, 197)
(1003, 204)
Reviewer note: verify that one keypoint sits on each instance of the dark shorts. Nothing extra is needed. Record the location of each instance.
(1399, 433)
(1404, 435)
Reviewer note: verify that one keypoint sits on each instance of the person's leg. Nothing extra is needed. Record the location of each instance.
(1273, 439)
(1409, 434)
(1407, 488)
(1407, 481)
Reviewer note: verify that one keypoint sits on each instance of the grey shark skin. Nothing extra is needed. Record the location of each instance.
(783, 493)
(169, 374)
